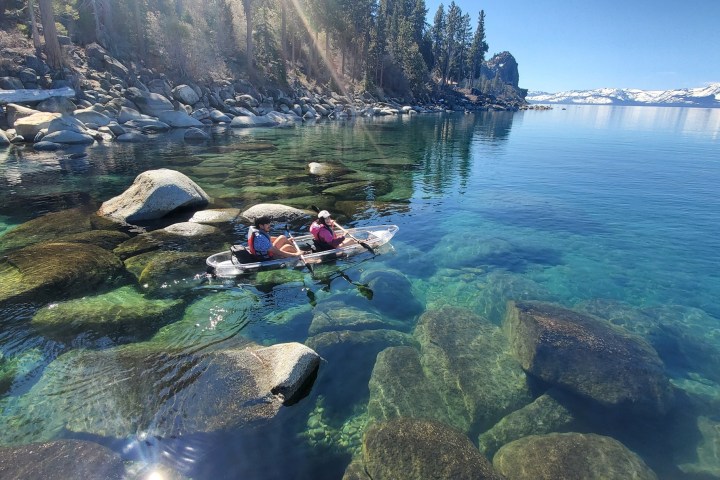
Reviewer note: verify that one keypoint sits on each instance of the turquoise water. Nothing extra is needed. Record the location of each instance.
(609, 210)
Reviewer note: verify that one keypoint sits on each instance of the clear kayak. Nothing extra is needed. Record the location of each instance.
(226, 264)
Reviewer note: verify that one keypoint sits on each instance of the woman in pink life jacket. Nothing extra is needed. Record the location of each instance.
(323, 234)
(265, 247)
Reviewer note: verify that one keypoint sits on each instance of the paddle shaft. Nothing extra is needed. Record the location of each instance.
(302, 259)
(363, 244)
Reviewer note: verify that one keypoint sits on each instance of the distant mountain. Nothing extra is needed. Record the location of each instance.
(708, 96)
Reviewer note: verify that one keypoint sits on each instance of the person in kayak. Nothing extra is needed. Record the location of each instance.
(265, 247)
(323, 234)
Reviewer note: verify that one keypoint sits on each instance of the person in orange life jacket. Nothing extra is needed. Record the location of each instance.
(265, 247)
(323, 234)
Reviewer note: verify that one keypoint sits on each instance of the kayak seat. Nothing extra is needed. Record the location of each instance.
(240, 254)
(320, 246)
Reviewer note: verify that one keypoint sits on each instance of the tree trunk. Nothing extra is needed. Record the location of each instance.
(247, 6)
(52, 45)
(34, 29)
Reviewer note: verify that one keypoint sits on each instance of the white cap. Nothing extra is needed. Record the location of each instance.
(323, 214)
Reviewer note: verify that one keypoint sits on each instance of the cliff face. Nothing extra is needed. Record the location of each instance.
(504, 66)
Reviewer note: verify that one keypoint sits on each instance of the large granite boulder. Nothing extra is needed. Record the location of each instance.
(420, 449)
(149, 386)
(253, 121)
(88, 115)
(149, 103)
(469, 361)
(154, 194)
(548, 413)
(570, 456)
(276, 211)
(68, 137)
(185, 94)
(28, 127)
(588, 356)
(60, 459)
(334, 315)
(56, 270)
(14, 112)
(178, 119)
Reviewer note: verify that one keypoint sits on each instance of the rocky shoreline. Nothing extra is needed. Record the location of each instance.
(112, 102)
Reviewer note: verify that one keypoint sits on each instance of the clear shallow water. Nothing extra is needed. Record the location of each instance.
(605, 209)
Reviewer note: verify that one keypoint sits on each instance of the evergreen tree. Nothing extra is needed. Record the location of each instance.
(478, 49)
(437, 38)
(452, 27)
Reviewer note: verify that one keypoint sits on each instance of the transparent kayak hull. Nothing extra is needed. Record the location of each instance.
(225, 265)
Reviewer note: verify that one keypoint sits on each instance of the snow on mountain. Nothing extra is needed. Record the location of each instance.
(707, 96)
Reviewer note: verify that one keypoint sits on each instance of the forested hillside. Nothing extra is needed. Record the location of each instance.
(379, 46)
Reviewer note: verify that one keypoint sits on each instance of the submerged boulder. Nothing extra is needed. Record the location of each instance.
(56, 270)
(119, 312)
(546, 414)
(60, 459)
(409, 448)
(54, 226)
(154, 194)
(588, 356)
(147, 386)
(469, 361)
(570, 456)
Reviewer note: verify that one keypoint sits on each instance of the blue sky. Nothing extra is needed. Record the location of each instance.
(581, 45)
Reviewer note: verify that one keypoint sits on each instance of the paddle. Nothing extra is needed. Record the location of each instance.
(363, 244)
(302, 259)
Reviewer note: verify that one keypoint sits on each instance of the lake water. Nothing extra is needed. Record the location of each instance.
(612, 211)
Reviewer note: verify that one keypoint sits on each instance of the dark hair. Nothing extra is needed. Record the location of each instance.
(262, 220)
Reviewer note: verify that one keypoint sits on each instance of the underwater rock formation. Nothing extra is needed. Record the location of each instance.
(570, 456)
(119, 312)
(60, 459)
(410, 448)
(56, 270)
(463, 375)
(588, 356)
(546, 414)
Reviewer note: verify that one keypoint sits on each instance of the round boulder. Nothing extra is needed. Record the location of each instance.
(560, 456)
(275, 211)
(410, 448)
(588, 356)
(154, 194)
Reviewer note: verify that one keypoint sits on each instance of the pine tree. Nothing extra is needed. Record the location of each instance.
(478, 49)
(437, 37)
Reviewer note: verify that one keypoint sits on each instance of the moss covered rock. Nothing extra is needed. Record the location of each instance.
(168, 241)
(546, 414)
(56, 270)
(120, 312)
(588, 356)
(570, 456)
(409, 448)
(468, 360)
(53, 226)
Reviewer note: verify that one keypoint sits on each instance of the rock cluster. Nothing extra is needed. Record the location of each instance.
(114, 102)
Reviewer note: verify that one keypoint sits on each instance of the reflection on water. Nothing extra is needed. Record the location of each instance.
(603, 210)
